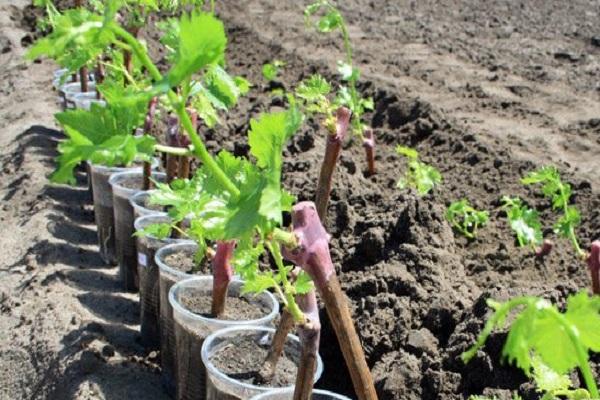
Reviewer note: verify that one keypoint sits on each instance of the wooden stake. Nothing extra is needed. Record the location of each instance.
(369, 145)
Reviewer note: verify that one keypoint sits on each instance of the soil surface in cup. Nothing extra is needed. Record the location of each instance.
(242, 358)
(182, 260)
(237, 308)
(191, 374)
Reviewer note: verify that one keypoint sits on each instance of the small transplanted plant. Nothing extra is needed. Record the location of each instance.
(560, 193)
(419, 175)
(525, 223)
(465, 218)
(547, 343)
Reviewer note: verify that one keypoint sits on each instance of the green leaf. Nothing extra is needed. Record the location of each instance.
(303, 283)
(271, 70)
(313, 89)
(260, 283)
(466, 219)
(329, 22)
(524, 221)
(420, 176)
(159, 231)
(102, 135)
(408, 152)
(202, 41)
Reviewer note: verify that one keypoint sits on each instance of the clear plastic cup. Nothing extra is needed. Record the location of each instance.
(103, 208)
(84, 100)
(69, 90)
(169, 276)
(138, 202)
(124, 185)
(288, 394)
(192, 329)
(147, 246)
(220, 386)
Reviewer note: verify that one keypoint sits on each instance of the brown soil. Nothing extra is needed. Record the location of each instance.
(242, 358)
(238, 308)
(486, 91)
(183, 261)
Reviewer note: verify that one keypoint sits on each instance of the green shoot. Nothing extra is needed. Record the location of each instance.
(419, 175)
(101, 136)
(524, 221)
(271, 70)
(329, 20)
(553, 384)
(561, 340)
(466, 219)
(560, 195)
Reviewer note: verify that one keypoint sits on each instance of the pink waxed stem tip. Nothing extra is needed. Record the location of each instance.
(369, 139)
(342, 120)
(593, 262)
(222, 270)
(312, 253)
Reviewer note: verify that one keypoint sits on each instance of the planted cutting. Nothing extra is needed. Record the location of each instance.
(525, 223)
(465, 218)
(548, 343)
(559, 193)
(325, 17)
(419, 176)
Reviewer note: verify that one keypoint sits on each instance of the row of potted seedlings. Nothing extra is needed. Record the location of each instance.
(215, 330)
(175, 295)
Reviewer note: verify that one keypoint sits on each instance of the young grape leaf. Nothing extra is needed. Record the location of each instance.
(524, 221)
(202, 41)
(419, 175)
(466, 219)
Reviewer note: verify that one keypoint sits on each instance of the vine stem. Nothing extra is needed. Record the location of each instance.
(179, 106)
(287, 292)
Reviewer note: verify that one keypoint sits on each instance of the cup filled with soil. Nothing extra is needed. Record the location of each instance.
(69, 90)
(191, 301)
(85, 100)
(176, 262)
(142, 206)
(103, 208)
(233, 358)
(124, 185)
(147, 245)
(288, 394)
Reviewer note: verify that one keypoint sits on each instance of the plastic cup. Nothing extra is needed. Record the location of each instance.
(147, 246)
(288, 394)
(103, 208)
(69, 90)
(220, 386)
(84, 100)
(123, 219)
(138, 202)
(192, 329)
(169, 276)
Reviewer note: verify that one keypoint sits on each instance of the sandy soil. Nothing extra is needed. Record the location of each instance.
(486, 92)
